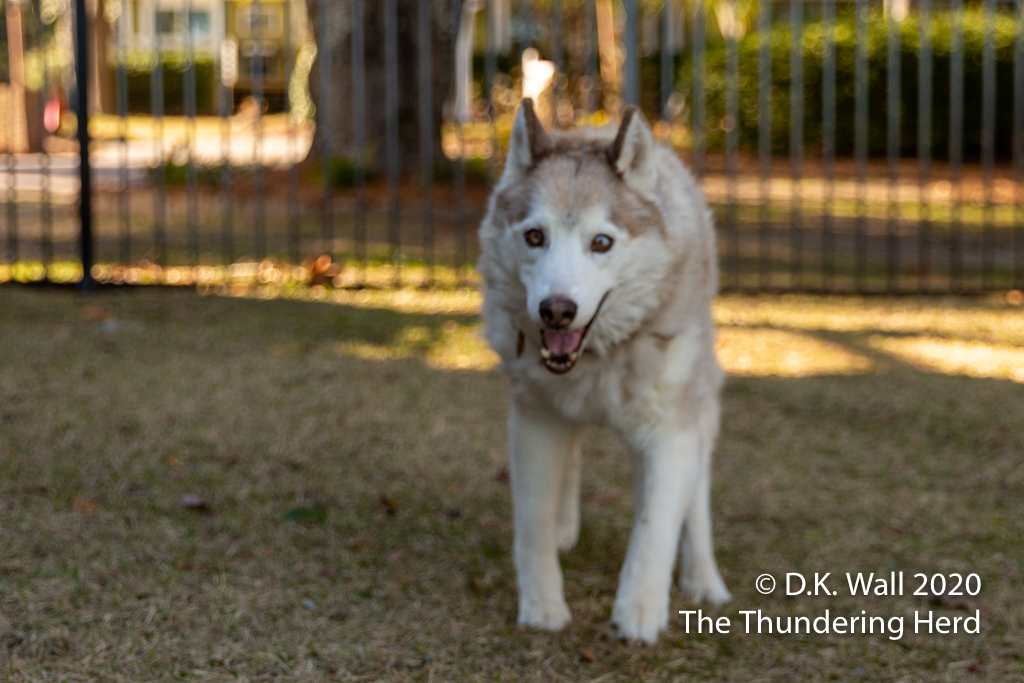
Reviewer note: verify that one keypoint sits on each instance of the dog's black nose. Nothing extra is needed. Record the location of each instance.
(558, 311)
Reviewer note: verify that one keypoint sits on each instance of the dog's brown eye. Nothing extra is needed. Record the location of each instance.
(534, 237)
(601, 244)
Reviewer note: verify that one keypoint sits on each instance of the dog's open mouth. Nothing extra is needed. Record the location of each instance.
(561, 349)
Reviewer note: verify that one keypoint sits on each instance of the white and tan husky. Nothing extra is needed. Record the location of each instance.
(599, 268)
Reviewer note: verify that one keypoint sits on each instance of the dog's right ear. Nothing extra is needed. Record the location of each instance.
(529, 142)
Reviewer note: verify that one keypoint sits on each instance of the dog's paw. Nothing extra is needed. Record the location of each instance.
(552, 615)
(638, 621)
(567, 535)
(710, 589)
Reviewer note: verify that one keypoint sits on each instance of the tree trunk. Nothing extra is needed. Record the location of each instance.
(340, 125)
(17, 133)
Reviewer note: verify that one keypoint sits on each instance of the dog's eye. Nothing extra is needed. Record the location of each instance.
(534, 237)
(601, 244)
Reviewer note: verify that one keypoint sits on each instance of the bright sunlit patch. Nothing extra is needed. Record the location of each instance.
(452, 347)
(999, 324)
(759, 352)
(412, 300)
(955, 356)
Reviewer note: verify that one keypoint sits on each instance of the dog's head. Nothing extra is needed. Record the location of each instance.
(575, 237)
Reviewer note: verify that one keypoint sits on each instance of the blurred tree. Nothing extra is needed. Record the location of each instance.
(339, 108)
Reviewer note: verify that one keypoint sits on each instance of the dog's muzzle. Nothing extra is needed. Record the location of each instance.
(561, 349)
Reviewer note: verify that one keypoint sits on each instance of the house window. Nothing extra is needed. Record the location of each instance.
(199, 24)
(166, 22)
(268, 22)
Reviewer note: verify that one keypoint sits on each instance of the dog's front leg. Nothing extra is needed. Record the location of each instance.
(539, 446)
(667, 470)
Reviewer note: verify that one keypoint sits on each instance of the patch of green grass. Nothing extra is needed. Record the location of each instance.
(351, 418)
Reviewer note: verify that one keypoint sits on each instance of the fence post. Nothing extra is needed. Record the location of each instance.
(85, 199)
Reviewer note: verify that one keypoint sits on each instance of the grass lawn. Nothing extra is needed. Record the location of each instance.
(207, 488)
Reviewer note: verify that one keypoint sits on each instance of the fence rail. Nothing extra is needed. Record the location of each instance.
(847, 146)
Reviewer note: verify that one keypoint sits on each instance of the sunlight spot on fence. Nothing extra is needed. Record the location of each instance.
(754, 352)
(956, 357)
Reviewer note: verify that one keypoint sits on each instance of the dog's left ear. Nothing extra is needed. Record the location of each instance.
(631, 154)
(529, 142)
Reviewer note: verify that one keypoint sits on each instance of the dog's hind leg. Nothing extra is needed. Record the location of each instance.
(539, 446)
(569, 500)
(699, 578)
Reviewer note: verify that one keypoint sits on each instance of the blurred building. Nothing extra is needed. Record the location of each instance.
(243, 39)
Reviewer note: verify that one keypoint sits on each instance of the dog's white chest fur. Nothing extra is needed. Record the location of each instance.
(598, 261)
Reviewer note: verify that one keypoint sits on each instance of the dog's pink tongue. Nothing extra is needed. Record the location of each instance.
(561, 342)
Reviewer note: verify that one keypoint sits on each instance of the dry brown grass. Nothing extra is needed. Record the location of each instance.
(846, 447)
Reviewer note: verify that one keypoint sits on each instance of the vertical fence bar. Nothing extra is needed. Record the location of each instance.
(13, 18)
(668, 60)
(192, 190)
(161, 237)
(260, 180)
(632, 58)
(828, 145)
(462, 248)
(699, 99)
(764, 134)
(45, 200)
(558, 54)
(924, 142)
(490, 73)
(892, 138)
(988, 135)
(391, 134)
(732, 130)
(156, 86)
(860, 141)
(12, 191)
(956, 129)
(228, 70)
(85, 176)
(1018, 146)
(121, 96)
(359, 128)
(590, 55)
(796, 133)
(293, 212)
(426, 121)
(325, 125)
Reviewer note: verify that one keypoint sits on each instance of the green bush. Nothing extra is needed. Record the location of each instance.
(140, 71)
(814, 49)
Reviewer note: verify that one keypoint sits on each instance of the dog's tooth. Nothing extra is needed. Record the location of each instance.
(545, 353)
(573, 356)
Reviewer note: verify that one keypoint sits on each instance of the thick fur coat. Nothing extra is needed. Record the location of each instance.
(599, 269)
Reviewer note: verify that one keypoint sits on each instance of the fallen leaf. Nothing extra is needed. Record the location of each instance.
(190, 501)
(390, 505)
(82, 505)
(602, 499)
(502, 475)
(173, 462)
(588, 654)
(395, 555)
(360, 546)
(307, 515)
(96, 314)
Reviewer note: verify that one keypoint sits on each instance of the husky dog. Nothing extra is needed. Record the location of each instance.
(599, 268)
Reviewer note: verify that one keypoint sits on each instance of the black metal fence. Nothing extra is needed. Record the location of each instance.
(847, 146)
